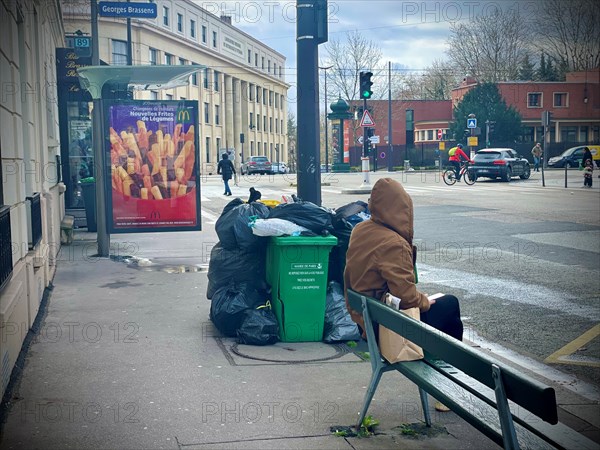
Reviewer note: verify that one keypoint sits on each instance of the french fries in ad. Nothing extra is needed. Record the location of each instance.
(152, 165)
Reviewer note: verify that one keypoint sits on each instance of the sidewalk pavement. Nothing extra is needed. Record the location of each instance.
(126, 357)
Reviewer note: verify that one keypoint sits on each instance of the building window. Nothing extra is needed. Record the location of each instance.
(256, 59)
(195, 78)
(430, 135)
(180, 22)
(258, 122)
(168, 59)
(218, 141)
(561, 99)
(568, 134)
(264, 148)
(251, 124)
(270, 124)
(182, 62)
(251, 92)
(279, 71)
(269, 65)
(257, 94)
(251, 148)
(216, 78)
(153, 95)
(274, 69)
(207, 148)
(265, 124)
(281, 121)
(262, 63)
(205, 81)
(534, 100)
(276, 126)
(169, 96)
(166, 16)
(181, 98)
(249, 56)
(264, 97)
(214, 39)
(192, 28)
(204, 31)
(217, 111)
(153, 56)
(270, 98)
(119, 52)
(206, 113)
(583, 134)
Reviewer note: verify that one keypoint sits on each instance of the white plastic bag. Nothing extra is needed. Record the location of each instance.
(275, 227)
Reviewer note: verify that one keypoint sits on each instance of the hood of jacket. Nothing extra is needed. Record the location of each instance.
(391, 206)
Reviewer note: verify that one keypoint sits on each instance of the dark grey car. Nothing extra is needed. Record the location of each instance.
(502, 163)
(256, 164)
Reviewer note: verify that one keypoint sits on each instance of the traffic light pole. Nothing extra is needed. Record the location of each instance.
(365, 153)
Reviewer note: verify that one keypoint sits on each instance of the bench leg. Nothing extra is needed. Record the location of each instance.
(425, 405)
(509, 436)
(375, 377)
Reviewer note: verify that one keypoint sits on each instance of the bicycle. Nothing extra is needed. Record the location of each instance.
(449, 175)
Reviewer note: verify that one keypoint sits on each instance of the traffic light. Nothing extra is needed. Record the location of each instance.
(370, 132)
(492, 126)
(365, 85)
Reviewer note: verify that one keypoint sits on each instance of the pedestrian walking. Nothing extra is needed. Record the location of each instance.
(588, 167)
(226, 170)
(537, 152)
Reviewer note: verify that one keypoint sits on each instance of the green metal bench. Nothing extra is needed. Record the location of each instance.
(474, 385)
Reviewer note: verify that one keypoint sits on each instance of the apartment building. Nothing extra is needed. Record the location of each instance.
(31, 194)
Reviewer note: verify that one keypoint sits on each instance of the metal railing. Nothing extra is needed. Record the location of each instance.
(36, 219)
(6, 263)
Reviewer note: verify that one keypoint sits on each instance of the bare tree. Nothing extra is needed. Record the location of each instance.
(569, 32)
(433, 83)
(490, 47)
(349, 58)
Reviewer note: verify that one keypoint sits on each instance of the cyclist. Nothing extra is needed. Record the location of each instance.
(454, 158)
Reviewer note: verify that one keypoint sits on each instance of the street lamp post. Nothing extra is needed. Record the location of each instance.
(326, 127)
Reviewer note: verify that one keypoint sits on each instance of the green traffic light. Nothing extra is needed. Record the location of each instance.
(366, 94)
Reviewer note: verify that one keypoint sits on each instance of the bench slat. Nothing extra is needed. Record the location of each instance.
(525, 391)
(559, 435)
(468, 406)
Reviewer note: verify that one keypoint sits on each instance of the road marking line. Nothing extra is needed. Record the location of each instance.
(565, 354)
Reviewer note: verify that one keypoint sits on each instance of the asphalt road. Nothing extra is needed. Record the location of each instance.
(524, 259)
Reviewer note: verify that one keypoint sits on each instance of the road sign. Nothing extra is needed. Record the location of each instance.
(472, 141)
(129, 9)
(440, 134)
(359, 140)
(367, 120)
(442, 145)
(374, 139)
(471, 123)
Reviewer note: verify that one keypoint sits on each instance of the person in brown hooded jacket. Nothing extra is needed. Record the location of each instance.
(381, 258)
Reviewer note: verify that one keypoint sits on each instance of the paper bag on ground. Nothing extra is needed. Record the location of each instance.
(393, 347)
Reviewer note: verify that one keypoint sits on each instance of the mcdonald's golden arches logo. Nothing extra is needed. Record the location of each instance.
(183, 116)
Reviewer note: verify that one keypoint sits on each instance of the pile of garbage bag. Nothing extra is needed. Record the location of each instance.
(237, 282)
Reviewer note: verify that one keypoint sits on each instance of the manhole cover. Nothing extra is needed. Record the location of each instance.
(290, 352)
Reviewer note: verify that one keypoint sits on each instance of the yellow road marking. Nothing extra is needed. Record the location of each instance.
(561, 356)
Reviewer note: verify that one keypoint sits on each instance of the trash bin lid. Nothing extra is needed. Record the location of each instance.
(304, 240)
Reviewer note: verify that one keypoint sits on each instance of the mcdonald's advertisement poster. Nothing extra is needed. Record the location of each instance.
(154, 181)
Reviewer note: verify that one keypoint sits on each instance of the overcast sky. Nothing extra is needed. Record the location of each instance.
(409, 33)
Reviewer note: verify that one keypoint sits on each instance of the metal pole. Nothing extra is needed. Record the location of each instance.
(98, 142)
(308, 148)
(391, 150)
(326, 127)
(129, 47)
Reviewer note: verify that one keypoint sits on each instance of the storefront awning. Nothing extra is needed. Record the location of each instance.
(93, 78)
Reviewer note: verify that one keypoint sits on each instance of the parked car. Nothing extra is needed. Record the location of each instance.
(256, 164)
(279, 167)
(573, 156)
(502, 163)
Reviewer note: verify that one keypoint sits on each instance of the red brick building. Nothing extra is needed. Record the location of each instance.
(574, 105)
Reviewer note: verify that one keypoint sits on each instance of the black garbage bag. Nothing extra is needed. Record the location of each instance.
(338, 324)
(229, 304)
(259, 327)
(344, 212)
(234, 266)
(306, 214)
(232, 226)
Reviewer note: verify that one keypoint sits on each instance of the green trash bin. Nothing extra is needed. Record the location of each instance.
(297, 272)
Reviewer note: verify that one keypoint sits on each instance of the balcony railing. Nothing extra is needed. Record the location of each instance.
(35, 220)
(6, 263)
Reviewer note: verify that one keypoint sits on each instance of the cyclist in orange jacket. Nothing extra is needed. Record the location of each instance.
(454, 158)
